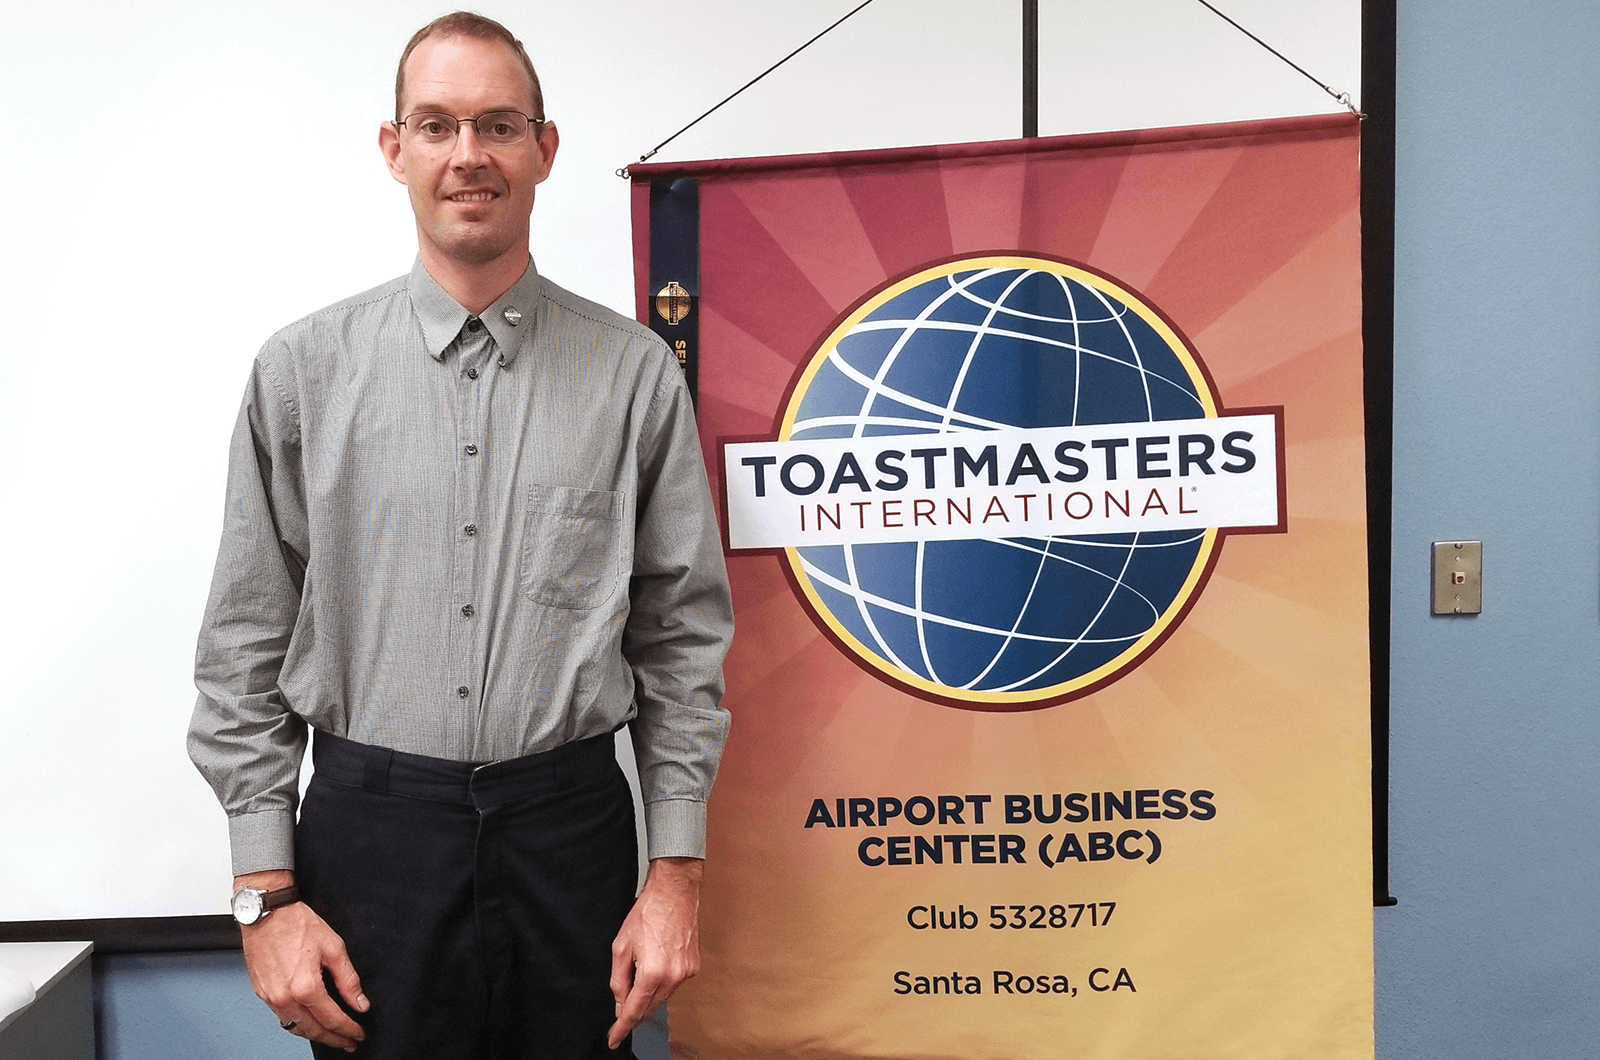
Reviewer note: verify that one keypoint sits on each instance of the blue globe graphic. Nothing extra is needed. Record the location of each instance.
(988, 344)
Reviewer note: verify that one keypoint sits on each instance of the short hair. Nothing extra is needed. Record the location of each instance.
(473, 26)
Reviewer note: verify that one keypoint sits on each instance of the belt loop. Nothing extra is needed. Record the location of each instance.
(375, 769)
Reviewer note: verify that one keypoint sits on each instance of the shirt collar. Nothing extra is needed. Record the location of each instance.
(509, 319)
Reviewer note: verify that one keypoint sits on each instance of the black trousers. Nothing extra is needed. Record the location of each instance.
(478, 903)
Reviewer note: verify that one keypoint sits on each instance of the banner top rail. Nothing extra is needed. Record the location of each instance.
(1309, 124)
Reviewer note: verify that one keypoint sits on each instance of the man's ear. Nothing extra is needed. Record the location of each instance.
(549, 140)
(389, 144)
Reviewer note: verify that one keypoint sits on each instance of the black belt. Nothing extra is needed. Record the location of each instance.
(414, 776)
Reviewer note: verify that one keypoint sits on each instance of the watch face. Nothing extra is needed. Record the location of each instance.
(247, 906)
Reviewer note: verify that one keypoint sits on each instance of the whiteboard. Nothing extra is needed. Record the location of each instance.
(163, 218)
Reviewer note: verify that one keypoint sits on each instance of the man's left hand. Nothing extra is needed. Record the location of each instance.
(659, 944)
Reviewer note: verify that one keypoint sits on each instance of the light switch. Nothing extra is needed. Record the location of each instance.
(1457, 577)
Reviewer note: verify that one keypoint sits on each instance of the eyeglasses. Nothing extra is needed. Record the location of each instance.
(498, 128)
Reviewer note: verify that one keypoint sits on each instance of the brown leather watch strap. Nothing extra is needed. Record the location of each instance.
(282, 896)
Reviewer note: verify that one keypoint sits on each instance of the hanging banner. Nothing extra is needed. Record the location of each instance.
(1040, 471)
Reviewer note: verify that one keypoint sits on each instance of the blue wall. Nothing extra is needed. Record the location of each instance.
(1492, 950)
(190, 1005)
(198, 1006)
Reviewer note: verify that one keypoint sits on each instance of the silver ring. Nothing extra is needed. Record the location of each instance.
(289, 1026)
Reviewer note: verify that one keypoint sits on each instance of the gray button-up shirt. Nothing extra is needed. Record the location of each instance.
(471, 538)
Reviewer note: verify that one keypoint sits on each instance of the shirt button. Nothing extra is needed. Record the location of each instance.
(466, 610)
(462, 691)
(472, 373)
(470, 529)
(472, 450)
(474, 324)
(502, 360)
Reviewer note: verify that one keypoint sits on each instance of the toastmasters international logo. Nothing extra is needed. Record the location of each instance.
(1001, 481)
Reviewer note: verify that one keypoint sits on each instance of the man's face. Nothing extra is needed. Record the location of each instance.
(472, 202)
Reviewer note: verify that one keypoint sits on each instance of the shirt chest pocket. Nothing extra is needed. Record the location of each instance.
(571, 546)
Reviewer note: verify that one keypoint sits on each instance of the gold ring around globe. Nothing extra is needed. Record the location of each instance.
(1031, 699)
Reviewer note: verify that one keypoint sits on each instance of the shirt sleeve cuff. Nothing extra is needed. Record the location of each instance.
(261, 841)
(675, 828)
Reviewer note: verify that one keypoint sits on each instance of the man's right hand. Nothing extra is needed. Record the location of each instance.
(285, 953)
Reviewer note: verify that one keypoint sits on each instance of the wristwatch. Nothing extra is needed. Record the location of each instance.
(250, 904)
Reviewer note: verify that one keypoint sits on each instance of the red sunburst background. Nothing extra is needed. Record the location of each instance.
(1254, 927)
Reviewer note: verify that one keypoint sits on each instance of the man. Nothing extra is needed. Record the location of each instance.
(468, 536)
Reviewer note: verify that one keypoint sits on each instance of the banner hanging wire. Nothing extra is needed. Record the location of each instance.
(1343, 98)
(623, 172)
